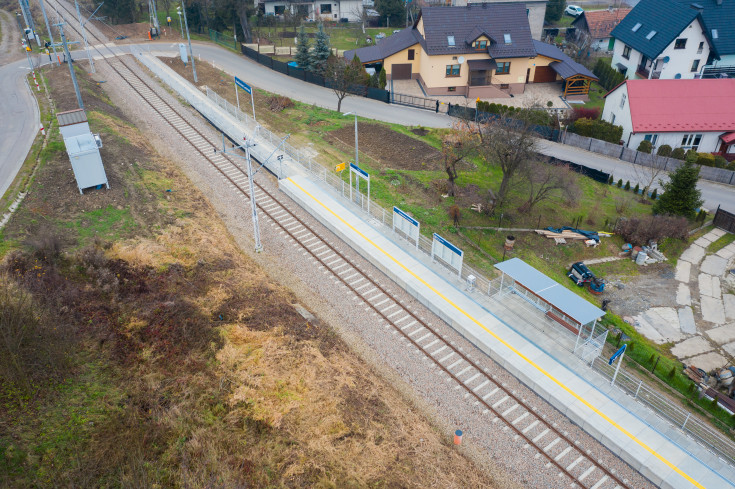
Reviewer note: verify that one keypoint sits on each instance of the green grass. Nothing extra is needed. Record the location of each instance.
(596, 94)
(109, 223)
(63, 427)
(721, 242)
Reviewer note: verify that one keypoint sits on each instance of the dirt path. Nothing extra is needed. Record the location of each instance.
(8, 32)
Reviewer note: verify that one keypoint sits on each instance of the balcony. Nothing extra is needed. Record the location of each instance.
(642, 72)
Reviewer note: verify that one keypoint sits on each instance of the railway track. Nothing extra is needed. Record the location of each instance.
(537, 437)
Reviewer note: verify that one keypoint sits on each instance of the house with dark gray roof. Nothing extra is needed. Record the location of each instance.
(719, 22)
(479, 51)
(662, 39)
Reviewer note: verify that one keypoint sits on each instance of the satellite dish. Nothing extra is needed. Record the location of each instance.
(461, 59)
(666, 59)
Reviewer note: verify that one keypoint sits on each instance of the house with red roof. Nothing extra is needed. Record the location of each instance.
(598, 24)
(690, 114)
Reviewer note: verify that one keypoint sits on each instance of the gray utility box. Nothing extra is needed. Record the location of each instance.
(83, 149)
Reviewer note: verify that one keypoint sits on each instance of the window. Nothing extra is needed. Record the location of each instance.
(450, 40)
(700, 48)
(506, 38)
(626, 52)
(325, 8)
(691, 141)
(504, 86)
(452, 70)
(411, 54)
(680, 44)
(503, 68)
(650, 35)
(612, 118)
(279, 9)
(652, 138)
(451, 89)
(695, 66)
(622, 101)
(479, 45)
(636, 27)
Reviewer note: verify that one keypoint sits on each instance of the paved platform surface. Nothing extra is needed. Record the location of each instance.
(652, 451)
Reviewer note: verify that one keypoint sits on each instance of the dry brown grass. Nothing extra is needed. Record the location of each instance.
(194, 369)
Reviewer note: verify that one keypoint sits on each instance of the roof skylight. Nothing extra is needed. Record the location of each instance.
(650, 35)
(506, 37)
(714, 34)
(636, 27)
(450, 40)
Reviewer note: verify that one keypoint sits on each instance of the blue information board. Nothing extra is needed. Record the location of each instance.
(616, 354)
(243, 85)
(405, 216)
(359, 170)
(448, 245)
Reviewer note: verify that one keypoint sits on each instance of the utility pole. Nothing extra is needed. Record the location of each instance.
(181, 27)
(84, 36)
(50, 35)
(154, 14)
(71, 67)
(191, 54)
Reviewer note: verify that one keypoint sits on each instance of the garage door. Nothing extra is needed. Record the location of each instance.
(401, 72)
(544, 74)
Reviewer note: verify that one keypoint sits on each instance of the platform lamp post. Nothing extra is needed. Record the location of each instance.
(191, 54)
(181, 26)
(356, 157)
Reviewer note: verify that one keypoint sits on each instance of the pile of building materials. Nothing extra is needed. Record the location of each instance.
(647, 255)
(561, 235)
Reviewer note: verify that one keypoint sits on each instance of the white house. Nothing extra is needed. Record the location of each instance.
(688, 114)
(316, 10)
(661, 39)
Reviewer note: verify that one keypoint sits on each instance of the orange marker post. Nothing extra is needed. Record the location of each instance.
(458, 437)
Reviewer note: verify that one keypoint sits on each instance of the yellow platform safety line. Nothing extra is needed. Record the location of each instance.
(546, 374)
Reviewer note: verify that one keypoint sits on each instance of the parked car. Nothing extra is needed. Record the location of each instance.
(574, 10)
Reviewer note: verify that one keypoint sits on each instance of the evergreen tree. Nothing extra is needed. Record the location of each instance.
(555, 9)
(321, 52)
(680, 194)
(382, 81)
(303, 56)
(392, 12)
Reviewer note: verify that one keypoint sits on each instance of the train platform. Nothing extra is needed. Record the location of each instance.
(617, 423)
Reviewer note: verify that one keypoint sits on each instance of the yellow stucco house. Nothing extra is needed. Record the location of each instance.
(480, 50)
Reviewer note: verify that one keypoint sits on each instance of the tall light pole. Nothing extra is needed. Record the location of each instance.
(50, 35)
(356, 152)
(191, 54)
(181, 27)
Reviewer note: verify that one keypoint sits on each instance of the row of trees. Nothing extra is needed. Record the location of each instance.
(510, 145)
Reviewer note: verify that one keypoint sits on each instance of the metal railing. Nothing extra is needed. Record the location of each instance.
(223, 39)
(487, 289)
(668, 410)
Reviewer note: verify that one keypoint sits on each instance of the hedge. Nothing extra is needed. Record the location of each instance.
(597, 129)
(540, 117)
(608, 76)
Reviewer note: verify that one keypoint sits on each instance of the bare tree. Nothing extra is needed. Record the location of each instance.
(510, 144)
(460, 143)
(549, 182)
(343, 76)
(648, 175)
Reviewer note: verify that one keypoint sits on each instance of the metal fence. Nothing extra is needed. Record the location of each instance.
(310, 77)
(491, 290)
(413, 101)
(667, 409)
(223, 39)
(724, 220)
(472, 114)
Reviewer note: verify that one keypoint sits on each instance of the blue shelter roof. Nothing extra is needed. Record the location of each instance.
(550, 290)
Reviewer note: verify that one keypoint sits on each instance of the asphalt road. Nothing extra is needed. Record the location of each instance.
(714, 194)
(19, 115)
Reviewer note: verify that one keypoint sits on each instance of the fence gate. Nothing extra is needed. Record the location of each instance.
(724, 220)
